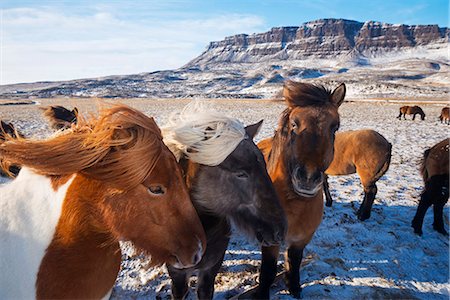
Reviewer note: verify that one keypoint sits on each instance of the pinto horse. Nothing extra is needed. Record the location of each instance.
(82, 191)
(297, 157)
(228, 183)
(435, 174)
(365, 152)
(411, 110)
(60, 117)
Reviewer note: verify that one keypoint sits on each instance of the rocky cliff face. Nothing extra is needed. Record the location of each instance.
(325, 38)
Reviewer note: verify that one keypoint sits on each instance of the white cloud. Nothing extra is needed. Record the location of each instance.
(50, 44)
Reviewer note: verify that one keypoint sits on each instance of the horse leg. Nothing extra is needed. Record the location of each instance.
(326, 190)
(424, 204)
(414, 117)
(293, 260)
(366, 206)
(268, 272)
(438, 223)
(179, 282)
(399, 116)
(206, 278)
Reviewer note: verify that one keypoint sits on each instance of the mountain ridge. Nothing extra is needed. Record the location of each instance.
(375, 59)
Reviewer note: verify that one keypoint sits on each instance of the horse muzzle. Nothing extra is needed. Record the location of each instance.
(304, 185)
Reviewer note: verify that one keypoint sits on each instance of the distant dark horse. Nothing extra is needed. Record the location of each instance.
(8, 129)
(228, 182)
(411, 110)
(435, 173)
(60, 117)
(365, 152)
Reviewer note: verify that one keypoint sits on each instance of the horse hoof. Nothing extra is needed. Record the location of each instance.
(363, 216)
(296, 293)
(441, 231)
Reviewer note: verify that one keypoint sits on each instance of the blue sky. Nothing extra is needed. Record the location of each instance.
(60, 40)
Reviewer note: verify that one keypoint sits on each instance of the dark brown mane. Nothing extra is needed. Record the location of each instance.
(306, 94)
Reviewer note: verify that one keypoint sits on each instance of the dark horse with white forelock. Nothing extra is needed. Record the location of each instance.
(435, 174)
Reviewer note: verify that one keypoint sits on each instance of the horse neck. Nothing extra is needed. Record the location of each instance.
(82, 243)
(209, 218)
(276, 157)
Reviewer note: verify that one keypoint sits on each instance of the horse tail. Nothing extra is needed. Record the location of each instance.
(384, 168)
(423, 165)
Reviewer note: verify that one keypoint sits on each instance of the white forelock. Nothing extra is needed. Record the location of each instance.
(204, 135)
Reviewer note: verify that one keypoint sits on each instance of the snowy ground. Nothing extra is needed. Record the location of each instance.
(347, 259)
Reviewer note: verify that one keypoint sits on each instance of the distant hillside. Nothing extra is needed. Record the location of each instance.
(374, 59)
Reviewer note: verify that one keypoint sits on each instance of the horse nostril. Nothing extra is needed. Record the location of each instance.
(317, 176)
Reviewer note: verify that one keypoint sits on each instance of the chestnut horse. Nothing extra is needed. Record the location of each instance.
(60, 117)
(435, 174)
(8, 129)
(365, 152)
(228, 183)
(411, 110)
(297, 157)
(82, 191)
(445, 115)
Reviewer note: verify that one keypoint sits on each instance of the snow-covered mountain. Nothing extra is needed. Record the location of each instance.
(374, 59)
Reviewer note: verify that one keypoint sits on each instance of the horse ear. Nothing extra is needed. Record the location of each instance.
(287, 92)
(252, 130)
(338, 95)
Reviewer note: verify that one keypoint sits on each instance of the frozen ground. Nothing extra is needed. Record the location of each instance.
(347, 259)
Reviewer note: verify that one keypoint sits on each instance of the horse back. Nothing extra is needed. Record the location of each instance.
(265, 146)
(359, 149)
(436, 160)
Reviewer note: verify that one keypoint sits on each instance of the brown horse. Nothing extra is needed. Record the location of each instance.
(297, 157)
(365, 152)
(411, 110)
(82, 191)
(445, 115)
(60, 117)
(435, 174)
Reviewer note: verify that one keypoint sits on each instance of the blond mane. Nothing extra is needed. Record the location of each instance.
(120, 147)
(203, 135)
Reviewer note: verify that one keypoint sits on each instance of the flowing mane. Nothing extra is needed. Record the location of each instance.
(305, 94)
(118, 147)
(203, 135)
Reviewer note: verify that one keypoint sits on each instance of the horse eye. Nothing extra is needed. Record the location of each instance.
(294, 125)
(157, 190)
(241, 174)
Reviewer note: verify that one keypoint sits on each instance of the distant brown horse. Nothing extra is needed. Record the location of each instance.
(365, 152)
(60, 117)
(297, 157)
(435, 173)
(445, 115)
(411, 110)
